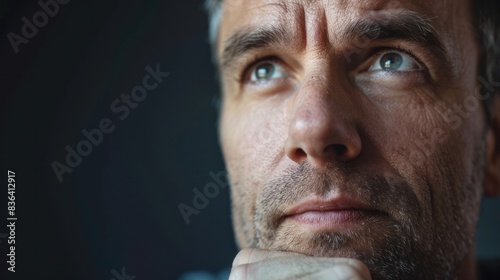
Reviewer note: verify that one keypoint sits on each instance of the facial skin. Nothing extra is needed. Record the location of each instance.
(317, 108)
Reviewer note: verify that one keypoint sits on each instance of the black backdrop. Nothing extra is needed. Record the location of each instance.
(118, 208)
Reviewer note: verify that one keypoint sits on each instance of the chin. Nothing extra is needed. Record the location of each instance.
(385, 248)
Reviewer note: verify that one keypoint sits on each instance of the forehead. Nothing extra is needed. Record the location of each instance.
(447, 16)
(240, 9)
(245, 6)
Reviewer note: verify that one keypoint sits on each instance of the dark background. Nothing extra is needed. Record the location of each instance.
(119, 207)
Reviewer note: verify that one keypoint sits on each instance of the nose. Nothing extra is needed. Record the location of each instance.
(322, 128)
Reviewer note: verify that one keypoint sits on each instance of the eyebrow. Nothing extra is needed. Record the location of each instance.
(406, 26)
(248, 38)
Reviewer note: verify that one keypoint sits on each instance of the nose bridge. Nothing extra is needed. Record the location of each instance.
(320, 99)
(319, 87)
(322, 125)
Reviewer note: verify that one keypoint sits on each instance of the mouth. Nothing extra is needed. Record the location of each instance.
(336, 214)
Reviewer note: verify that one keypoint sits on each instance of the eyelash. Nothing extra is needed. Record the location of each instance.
(398, 48)
(251, 63)
(255, 60)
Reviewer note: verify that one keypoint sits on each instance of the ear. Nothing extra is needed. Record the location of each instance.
(492, 179)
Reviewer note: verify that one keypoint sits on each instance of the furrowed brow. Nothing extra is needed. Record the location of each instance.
(247, 39)
(408, 26)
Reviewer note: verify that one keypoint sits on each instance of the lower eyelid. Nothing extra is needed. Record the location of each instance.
(396, 77)
(268, 82)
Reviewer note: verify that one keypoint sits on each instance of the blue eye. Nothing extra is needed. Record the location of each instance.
(267, 71)
(395, 61)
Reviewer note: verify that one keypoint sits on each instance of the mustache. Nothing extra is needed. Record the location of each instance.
(388, 192)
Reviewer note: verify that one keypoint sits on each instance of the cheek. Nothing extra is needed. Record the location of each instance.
(432, 151)
(252, 139)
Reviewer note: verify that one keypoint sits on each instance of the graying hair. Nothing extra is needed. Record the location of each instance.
(487, 19)
(214, 9)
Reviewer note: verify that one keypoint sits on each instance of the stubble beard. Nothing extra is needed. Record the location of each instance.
(401, 245)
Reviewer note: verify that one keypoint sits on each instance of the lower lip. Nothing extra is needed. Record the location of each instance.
(333, 220)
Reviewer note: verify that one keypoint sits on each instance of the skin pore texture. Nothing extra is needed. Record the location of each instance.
(328, 101)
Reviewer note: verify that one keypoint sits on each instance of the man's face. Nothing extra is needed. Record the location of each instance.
(353, 129)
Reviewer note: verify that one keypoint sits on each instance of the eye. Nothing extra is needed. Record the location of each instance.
(266, 71)
(395, 61)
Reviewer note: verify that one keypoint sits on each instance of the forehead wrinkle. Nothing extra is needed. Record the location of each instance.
(281, 28)
(316, 28)
(299, 18)
(370, 5)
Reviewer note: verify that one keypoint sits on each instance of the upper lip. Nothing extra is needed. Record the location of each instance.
(335, 204)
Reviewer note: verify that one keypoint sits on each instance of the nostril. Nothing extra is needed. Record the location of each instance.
(337, 150)
(300, 153)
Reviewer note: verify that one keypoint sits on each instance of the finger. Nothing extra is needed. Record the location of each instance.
(239, 272)
(338, 272)
(253, 255)
(293, 267)
(360, 267)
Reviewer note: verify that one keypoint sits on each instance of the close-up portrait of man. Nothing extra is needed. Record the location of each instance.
(250, 139)
(359, 136)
